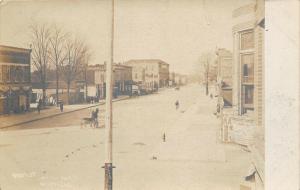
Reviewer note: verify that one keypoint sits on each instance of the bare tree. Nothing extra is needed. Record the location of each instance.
(86, 57)
(206, 73)
(40, 44)
(206, 61)
(74, 62)
(58, 55)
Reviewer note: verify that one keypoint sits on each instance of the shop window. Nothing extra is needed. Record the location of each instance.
(249, 90)
(247, 60)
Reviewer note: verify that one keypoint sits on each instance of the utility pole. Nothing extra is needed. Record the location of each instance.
(153, 81)
(207, 71)
(86, 84)
(108, 166)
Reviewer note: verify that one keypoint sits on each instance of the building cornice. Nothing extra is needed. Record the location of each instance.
(243, 26)
(16, 49)
(15, 64)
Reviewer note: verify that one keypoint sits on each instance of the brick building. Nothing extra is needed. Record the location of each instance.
(150, 74)
(15, 82)
(96, 80)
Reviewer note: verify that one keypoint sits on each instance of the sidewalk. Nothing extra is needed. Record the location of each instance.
(7, 121)
(193, 138)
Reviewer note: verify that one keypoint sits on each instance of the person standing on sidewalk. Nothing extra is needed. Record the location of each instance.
(96, 118)
(61, 106)
(39, 106)
(177, 104)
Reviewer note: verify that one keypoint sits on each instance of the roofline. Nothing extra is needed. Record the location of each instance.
(102, 66)
(145, 60)
(12, 47)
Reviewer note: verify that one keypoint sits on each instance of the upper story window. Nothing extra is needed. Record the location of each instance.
(13, 75)
(19, 74)
(1, 78)
(5, 73)
(247, 40)
(247, 61)
(26, 74)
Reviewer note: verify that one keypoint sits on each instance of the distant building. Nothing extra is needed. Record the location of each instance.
(96, 80)
(122, 78)
(180, 79)
(76, 92)
(224, 75)
(15, 84)
(171, 79)
(213, 71)
(150, 74)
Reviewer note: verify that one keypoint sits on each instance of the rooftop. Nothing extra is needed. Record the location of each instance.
(102, 66)
(11, 48)
(146, 61)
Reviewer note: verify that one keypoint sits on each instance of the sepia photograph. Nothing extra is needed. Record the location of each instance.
(132, 94)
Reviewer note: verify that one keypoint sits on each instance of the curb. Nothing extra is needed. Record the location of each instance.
(60, 113)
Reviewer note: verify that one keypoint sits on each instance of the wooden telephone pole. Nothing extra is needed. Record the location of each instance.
(207, 72)
(108, 166)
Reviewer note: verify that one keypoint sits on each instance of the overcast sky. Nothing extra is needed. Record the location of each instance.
(176, 31)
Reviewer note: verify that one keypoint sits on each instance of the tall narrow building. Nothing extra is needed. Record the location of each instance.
(248, 78)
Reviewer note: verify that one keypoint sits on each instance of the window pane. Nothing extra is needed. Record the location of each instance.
(8, 73)
(247, 62)
(248, 95)
(4, 73)
(245, 70)
(247, 40)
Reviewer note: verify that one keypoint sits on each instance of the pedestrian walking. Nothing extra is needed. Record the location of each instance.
(211, 96)
(177, 104)
(39, 106)
(164, 137)
(61, 106)
(96, 118)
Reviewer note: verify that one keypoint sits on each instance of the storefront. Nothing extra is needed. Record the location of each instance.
(14, 99)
